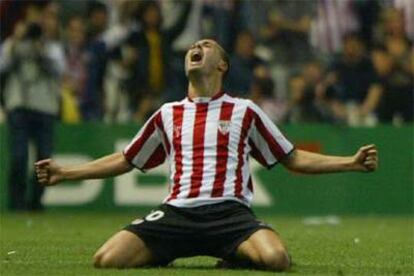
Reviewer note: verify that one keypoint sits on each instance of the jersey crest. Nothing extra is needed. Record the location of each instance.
(224, 127)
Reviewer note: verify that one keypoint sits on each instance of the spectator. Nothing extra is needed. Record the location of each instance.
(155, 49)
(262, 93)
(50, 22)
(121, 85)
(395, 38)
(243, 63)
(287, 32)
(91, 103)
(307, 103)
(123, 89)
(393, 63)
(34, 65)
(355, 85)
(101, 41)
(398, 97)
(75, 76)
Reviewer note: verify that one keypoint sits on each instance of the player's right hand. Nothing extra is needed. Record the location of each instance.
(366, 159)
(48, 172)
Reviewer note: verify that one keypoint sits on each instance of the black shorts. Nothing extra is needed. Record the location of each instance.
(210, 230)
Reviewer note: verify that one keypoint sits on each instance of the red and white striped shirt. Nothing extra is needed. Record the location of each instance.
(207, 142)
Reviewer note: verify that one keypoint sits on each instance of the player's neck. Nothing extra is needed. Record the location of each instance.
(204, 86)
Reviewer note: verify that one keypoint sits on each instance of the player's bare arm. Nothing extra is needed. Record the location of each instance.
(364, 160)
(50, 173)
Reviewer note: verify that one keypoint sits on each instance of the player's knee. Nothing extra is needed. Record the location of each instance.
(275, 259)
(97, 259)
(106, 260)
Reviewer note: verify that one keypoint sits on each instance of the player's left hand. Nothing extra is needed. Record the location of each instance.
(366, 159)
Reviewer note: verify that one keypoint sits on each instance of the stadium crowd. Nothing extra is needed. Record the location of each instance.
(336, 61)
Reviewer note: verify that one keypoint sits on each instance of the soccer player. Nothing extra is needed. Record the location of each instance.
(207, 139)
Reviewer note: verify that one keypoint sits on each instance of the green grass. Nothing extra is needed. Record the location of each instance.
(63, 243)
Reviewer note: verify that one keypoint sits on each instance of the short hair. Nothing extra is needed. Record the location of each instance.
(225, 57)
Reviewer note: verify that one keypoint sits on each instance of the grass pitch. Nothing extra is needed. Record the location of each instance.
(63, 243)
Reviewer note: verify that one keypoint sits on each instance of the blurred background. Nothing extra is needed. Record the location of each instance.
(337, 61)
(78, 78)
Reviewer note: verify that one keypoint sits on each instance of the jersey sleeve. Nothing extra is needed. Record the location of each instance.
(146, 150)
(268, 145)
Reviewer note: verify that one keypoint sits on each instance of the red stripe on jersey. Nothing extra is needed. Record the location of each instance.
(156, 158)
(274, 146)
(198, 149)
(257, 154)
(161, 127)
(136, 147)
(247, 120)
(178, 112)
(222, 150)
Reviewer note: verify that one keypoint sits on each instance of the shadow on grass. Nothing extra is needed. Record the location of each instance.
(210, 268)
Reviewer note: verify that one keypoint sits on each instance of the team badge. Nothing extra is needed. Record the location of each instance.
(224, 127)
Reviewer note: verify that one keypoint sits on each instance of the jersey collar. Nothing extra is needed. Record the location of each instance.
(206, 99)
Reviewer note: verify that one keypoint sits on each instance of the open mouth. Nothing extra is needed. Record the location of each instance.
(196, 57)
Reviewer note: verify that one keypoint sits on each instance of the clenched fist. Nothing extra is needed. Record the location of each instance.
(48, 172)
(366, 159)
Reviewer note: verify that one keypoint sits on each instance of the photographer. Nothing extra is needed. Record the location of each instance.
(31, 66)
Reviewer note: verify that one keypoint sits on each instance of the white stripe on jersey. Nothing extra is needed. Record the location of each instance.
(236, 119)
(213, 142)
(150, 145)
(166, 114)
(187, 150)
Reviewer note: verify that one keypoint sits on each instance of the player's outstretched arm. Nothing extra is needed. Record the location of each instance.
(365, 160)
(50, 173)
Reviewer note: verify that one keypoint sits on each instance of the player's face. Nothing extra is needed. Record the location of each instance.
(202, 57)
